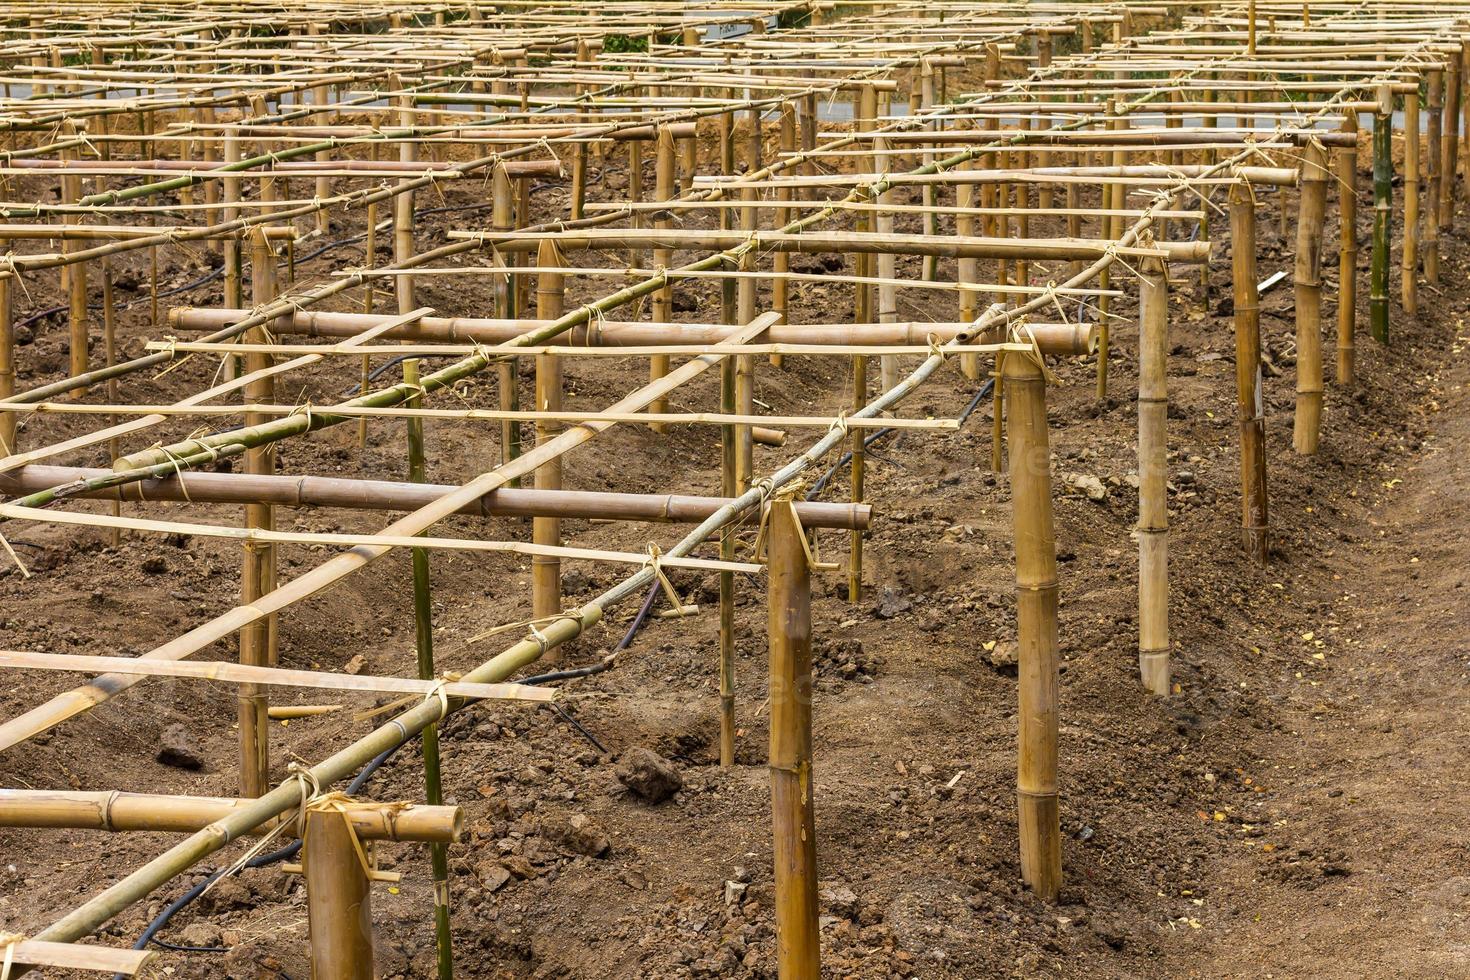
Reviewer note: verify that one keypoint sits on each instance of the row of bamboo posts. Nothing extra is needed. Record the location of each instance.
(1026, 166)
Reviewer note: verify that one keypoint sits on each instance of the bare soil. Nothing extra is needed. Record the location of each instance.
(1295, 810)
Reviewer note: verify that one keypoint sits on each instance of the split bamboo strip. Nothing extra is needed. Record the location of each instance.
(272, 676)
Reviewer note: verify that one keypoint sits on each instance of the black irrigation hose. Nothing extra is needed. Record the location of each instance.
(826, 477)
(290, 850)
(259, 861)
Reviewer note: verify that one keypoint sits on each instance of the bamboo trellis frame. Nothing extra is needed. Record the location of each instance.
(331, 99)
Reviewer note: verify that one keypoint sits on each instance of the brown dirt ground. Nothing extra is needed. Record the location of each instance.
(1291, 812)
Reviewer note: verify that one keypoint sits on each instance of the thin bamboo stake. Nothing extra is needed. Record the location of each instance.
(1312, 210)
(338, 899)
(75, 276)
(1039, 823)
(1433, 178)
(1347, 264)
(423, 620)
(8, 443)
(506, 305)
(1409, 253)
(665, 188)
(546, 571)
(793, 821)
(1450, 145)
(1382, 214)
(1250, 396)
(1153, 474)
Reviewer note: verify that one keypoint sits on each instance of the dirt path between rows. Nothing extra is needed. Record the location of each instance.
(1369, 778)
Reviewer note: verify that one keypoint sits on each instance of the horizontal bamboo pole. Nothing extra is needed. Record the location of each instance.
(809, 242)
(382, 539)
(121, 812)
(323, 491)
(233, 673)
(516, 169)
(473, 414)
(1141, 173)
(1054, 339)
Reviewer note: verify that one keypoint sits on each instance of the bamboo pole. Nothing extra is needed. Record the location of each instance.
(665, 189)
(793, 822)
(506, 294)
(403, 208)
(1039, 822)
(338, 899)
(255, 579)
(321, 492)
(1433, 174)
(423, 620)
(75, 276)
(1250, 396)
(1312, 210)
(1347, 265)
(1382, 214)
(1450, 145)
(120, 812)
(1153, 474)
(781, 262)
(1409, 252)
(545, 570)
(8, 444)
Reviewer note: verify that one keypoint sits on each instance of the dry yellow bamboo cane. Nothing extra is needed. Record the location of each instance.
(1409, 253)
(1250, 396)
(1347, 262)
(403, 210)
(1312, 210)
(7, 369)
(546, 571)
(664, 188)
(120, 812)
(338, 898)
(1432, 150)
(1153, 471)
(255, 581)
(793, 821)
(75, 277)
(781, 262)
(1038, 814)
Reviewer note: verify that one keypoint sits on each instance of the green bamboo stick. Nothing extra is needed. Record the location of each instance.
(423, 618)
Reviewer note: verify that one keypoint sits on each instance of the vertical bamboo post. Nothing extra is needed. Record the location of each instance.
(1039, 822)
(967, 271)
(506, 292)
(76, 273)
(727, 579)
(403, 207)
(338, 899)
(1409, 253)
(1250, 398)
(231, 189)
(1347, 264)
(1153, 473)
(1450, 145)
(1382, 214)
(1312, 210)
(664, 188)
(7, 368)
(887, 261)
(320, 98)
(1433, 175)
(546, 569)
(793, 821)
(781, 261)
(745, 311)
(423, 621)
(254, 582)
